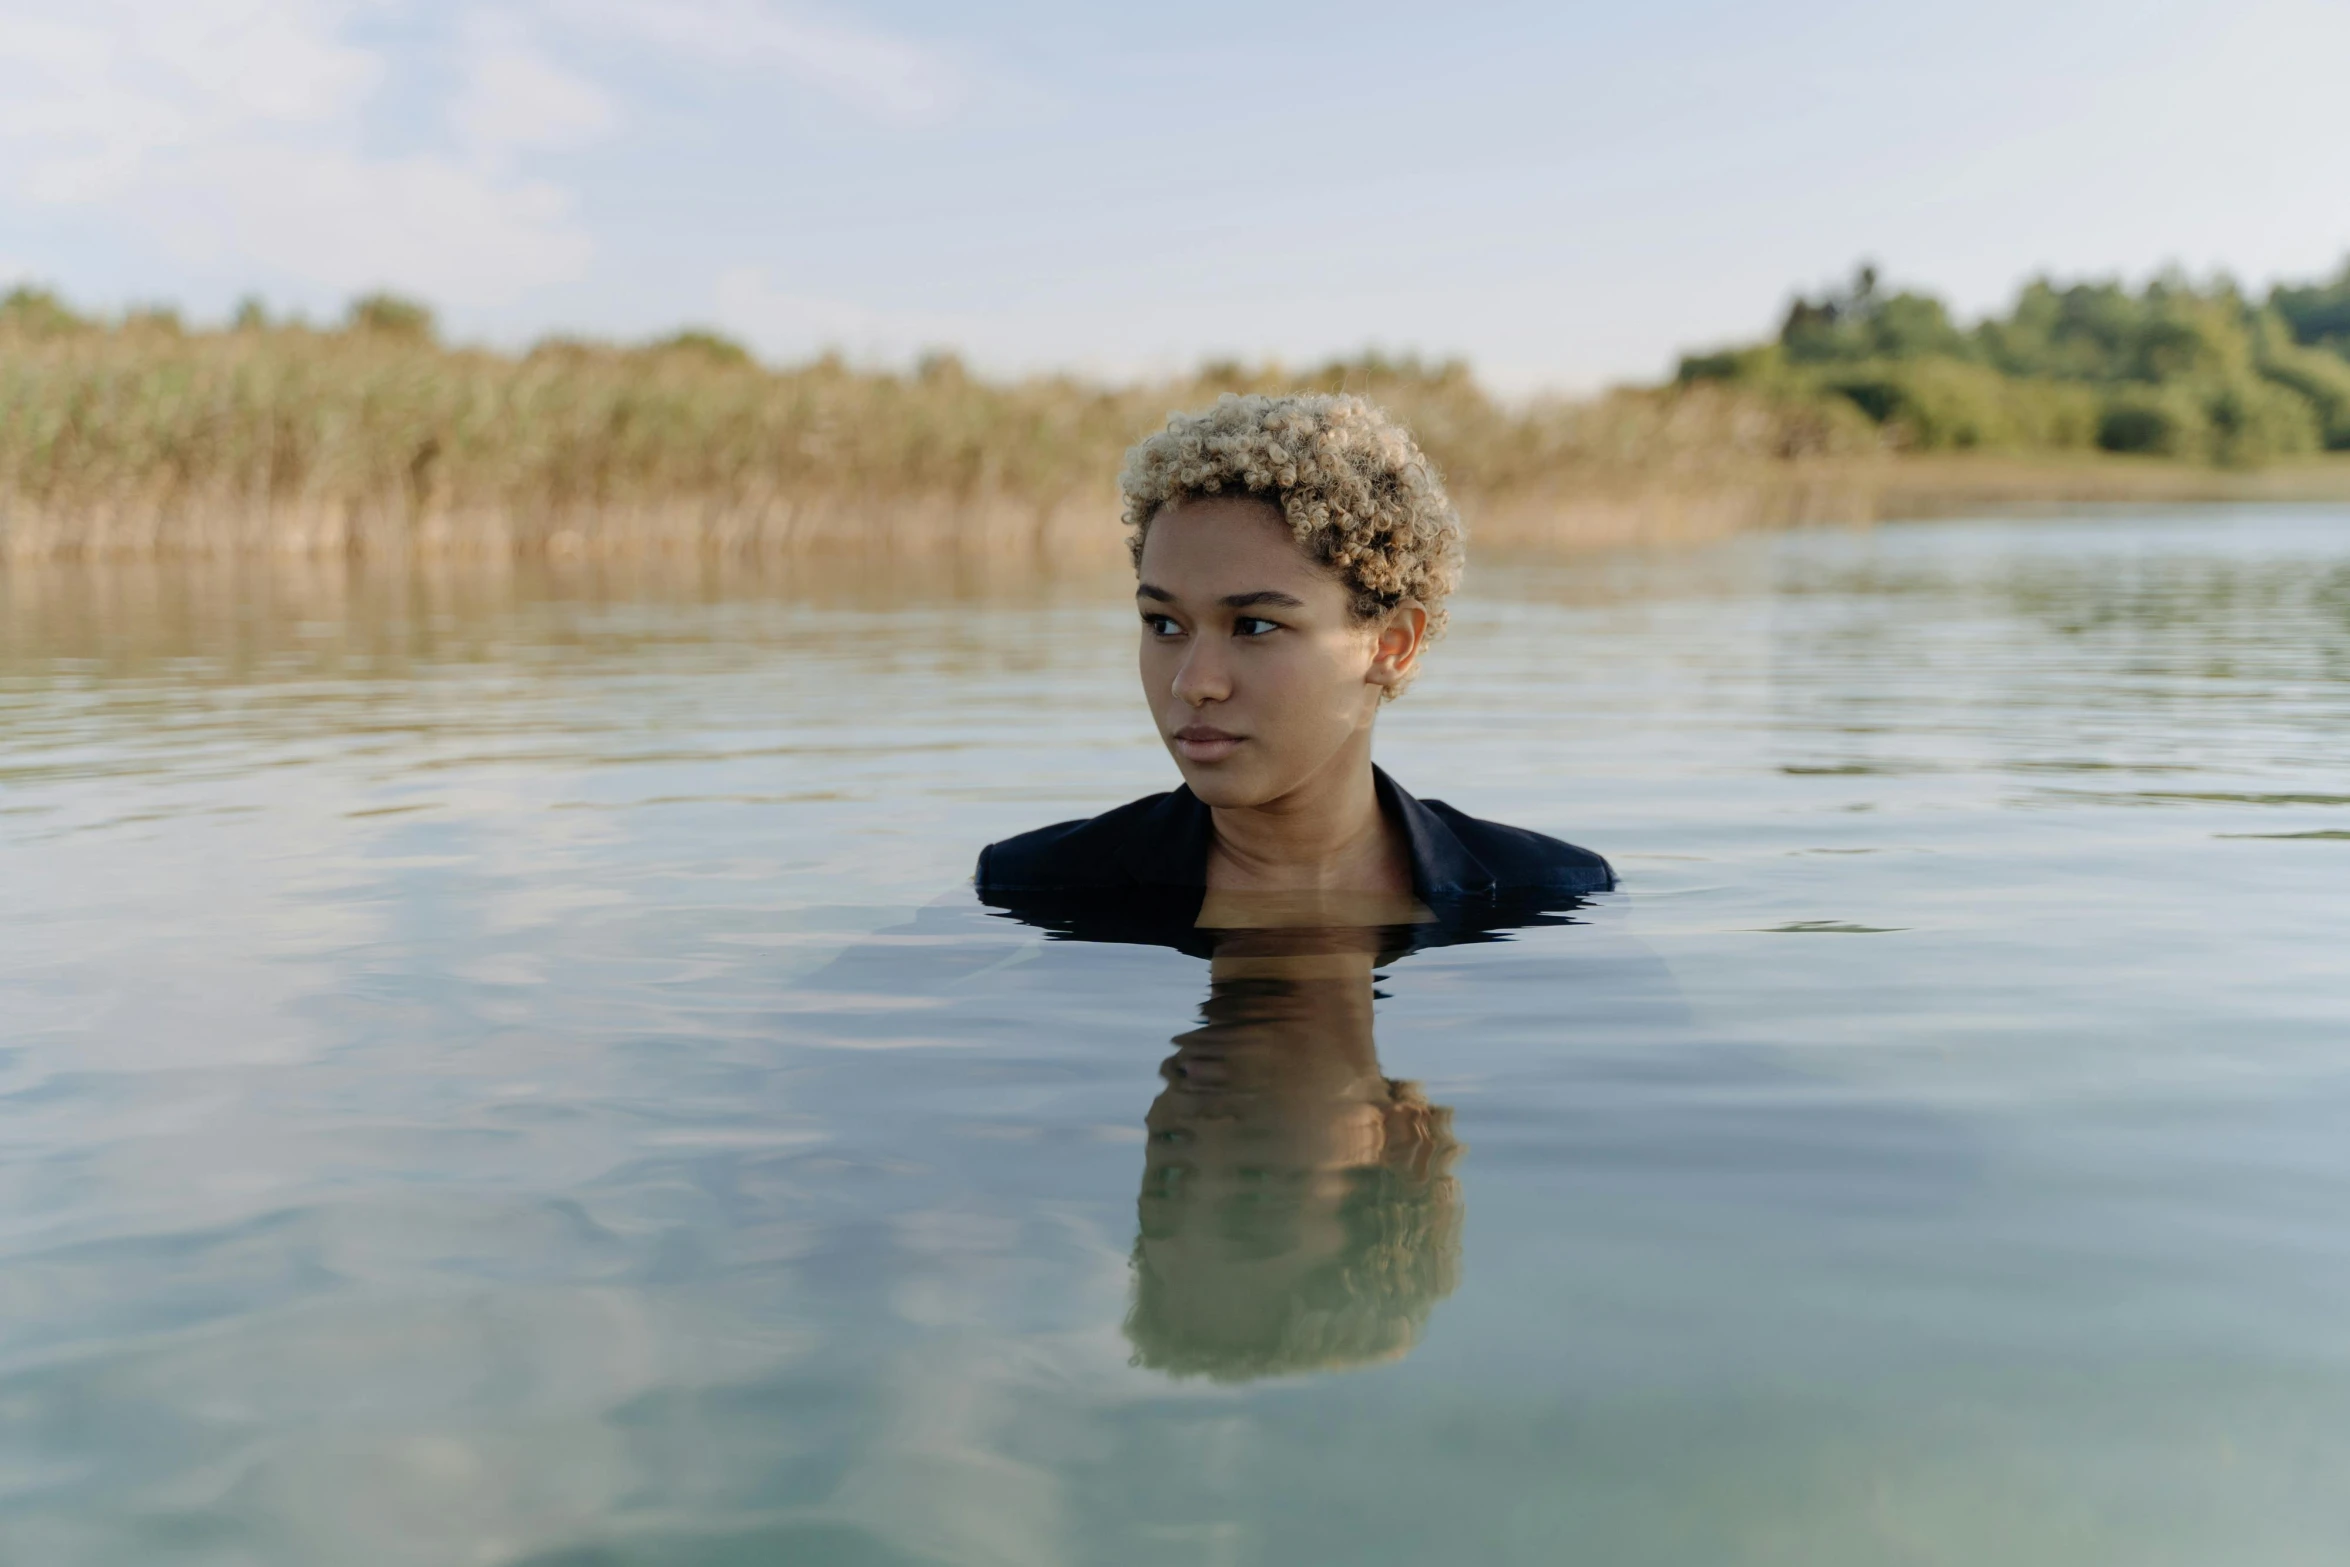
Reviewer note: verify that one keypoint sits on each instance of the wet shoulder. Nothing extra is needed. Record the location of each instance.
(1519, 860)
(1076, 854)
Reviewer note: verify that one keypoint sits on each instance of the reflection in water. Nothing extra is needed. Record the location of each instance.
(472, 1093)
(1298, 1208)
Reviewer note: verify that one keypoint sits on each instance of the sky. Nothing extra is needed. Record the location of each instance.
(1565, 194)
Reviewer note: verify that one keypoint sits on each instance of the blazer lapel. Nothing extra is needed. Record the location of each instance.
(1441, 863)
(1169, 844)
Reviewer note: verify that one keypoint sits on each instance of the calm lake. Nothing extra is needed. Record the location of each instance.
(508, 1070)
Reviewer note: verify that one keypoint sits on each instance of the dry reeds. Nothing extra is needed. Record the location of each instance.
(142, 439)
(139, 439)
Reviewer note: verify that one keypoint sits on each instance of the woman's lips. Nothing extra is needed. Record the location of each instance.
(1199, 743)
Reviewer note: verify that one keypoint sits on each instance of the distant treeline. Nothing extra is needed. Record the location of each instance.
(2201, 373)
(139, 434)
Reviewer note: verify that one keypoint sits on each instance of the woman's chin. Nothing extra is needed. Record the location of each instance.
(1222, 785)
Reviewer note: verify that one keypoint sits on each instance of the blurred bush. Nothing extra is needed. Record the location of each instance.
(2197, 373)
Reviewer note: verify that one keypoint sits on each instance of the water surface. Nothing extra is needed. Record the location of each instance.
(507, 1070)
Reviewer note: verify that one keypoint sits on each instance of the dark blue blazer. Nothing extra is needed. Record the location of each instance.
(1162, 842)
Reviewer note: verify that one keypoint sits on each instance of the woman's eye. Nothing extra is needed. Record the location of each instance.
(1254, 626)
(1158, 625)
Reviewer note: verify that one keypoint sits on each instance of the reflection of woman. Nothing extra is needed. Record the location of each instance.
(1298, 1212)
(1293, 557)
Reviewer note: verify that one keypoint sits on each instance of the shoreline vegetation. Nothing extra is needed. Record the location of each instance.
(140, 437)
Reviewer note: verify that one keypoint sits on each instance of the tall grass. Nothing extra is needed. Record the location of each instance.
(138, 437)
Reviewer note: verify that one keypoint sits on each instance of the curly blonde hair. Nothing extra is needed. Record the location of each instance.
(1350, 481)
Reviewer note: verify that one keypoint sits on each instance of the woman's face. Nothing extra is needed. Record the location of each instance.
(1257, 671)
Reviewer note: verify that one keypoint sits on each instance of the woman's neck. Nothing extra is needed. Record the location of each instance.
(1326, 836)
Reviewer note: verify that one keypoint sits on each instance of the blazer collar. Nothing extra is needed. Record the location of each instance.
(1169, 844)
(1442, 865)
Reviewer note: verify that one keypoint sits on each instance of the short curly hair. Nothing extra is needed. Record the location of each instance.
(1352, 484)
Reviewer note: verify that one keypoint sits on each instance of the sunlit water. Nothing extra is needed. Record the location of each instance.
(508, 1071)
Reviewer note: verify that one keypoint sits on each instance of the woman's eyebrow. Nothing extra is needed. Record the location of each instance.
(1272, 596)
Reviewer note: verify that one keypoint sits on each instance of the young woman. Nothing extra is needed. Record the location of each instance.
(1293, 555)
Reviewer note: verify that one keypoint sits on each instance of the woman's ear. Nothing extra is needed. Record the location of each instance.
(1401, 636)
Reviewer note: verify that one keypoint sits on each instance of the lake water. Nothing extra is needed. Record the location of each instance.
(507, 1070)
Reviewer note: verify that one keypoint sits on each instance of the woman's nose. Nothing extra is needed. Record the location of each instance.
(1202, 677)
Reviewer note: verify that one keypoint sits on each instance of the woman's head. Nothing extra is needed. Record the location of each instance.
(1358, 496)
(1294, 555)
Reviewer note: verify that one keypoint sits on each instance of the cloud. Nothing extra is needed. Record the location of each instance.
(88, 97)
(232, 131)
(301, 141)
(515, 98)
(887, 77)
(421, 224)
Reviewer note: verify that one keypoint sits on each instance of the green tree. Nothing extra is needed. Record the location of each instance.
(2321, 378)
(1858, 322)
(2317, 312)
(2194, 371)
